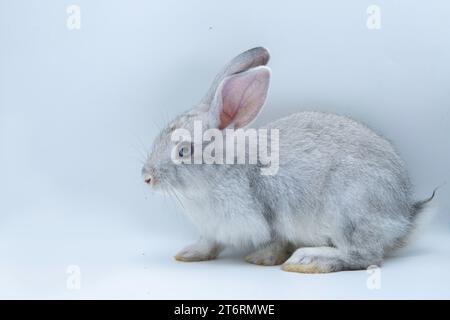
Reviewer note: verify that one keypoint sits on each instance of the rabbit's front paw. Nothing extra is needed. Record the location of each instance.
(272, 255)
(200, 251)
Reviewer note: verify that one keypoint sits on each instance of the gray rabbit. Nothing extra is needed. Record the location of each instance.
(340, 200)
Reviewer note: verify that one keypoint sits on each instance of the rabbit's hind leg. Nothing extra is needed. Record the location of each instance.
(328, 259)
(272, 254)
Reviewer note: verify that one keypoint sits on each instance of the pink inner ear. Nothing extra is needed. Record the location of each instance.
(232, 100)
(242, 97)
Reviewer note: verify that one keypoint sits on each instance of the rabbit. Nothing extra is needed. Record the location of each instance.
(341, 198)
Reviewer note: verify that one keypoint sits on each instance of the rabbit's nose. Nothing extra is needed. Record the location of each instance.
(148, 179)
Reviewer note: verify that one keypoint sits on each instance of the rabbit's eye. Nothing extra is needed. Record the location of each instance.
(184, 151)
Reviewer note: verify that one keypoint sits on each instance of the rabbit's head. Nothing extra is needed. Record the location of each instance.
(233, 101)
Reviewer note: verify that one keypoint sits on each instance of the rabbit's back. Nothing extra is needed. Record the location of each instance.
(333, 136)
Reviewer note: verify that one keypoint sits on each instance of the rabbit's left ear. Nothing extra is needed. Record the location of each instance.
(239, 98)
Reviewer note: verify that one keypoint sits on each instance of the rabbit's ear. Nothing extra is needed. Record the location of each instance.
(239, 98)
(249, 59)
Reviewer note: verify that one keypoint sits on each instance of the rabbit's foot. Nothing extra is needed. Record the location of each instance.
(272, 255)
(330, 259)
(314, 260)
(202, 250)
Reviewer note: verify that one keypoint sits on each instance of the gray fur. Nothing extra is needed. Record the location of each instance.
(341, 197)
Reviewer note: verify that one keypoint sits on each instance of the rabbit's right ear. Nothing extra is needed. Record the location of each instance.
(247, 60)
(239, 99)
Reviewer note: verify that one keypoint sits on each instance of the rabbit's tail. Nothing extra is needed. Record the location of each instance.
(419, 206)
(417, 221)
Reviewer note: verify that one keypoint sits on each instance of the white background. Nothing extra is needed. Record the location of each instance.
(78, 109)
